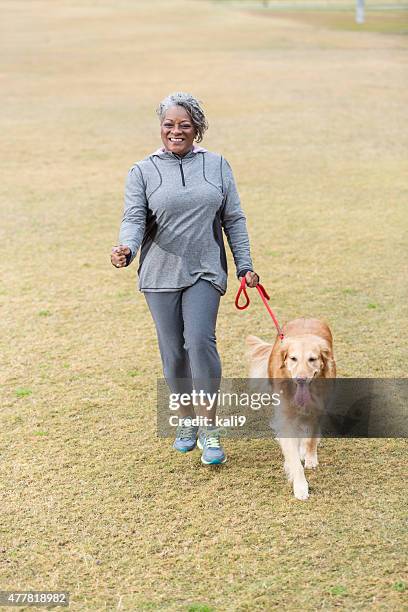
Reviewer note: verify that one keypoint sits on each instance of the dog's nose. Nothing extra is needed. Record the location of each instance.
(301, 379)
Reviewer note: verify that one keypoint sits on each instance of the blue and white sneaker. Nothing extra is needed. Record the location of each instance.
(209, 443)
(186, 436)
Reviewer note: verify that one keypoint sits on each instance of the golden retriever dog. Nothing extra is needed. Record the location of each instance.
(298, 365)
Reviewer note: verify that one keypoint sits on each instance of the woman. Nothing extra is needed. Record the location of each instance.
(177, 201)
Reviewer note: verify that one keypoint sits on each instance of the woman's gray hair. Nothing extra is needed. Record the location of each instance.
(191, 105)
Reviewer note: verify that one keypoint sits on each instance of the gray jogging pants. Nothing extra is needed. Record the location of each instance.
(185, 323)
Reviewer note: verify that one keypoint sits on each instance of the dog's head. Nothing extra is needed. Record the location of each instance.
(306, 357)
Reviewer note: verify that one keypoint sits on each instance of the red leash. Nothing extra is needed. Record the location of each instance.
(262, 292)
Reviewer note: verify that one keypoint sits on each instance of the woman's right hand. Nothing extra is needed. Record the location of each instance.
(119, 255)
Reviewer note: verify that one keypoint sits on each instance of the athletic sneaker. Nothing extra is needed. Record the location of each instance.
(186, 436)
(209, 443)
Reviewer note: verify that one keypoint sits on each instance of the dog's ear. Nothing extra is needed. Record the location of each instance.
(283, 355)
(258, 353)
(329, 364)
(257, 348)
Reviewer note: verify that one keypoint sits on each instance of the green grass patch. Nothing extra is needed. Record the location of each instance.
(338, 590)
(134, 373)
(23, 392)
(44, 313)
(349, 291)
(399, 586)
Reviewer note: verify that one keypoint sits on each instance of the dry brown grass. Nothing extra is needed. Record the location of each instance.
(313, 123)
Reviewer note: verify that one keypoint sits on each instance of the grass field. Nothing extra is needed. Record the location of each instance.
(390, 22)
(383, 17)
(313, 121)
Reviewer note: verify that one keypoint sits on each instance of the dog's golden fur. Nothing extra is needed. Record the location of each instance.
(298, 365)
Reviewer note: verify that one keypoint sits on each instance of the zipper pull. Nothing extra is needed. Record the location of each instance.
(182, 173)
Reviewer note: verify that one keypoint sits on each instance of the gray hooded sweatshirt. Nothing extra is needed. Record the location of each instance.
(175, 209)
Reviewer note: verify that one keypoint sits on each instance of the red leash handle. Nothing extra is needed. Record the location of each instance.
(264, 296)
(242, 289)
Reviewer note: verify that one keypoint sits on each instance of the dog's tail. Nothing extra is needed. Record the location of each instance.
(258, 354)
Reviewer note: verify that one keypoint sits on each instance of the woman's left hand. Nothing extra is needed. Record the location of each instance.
(252, 279)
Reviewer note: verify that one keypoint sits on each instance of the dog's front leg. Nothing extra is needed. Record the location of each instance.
(311, 460)
(293, 467)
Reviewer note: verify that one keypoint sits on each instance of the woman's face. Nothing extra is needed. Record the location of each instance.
(177, 130)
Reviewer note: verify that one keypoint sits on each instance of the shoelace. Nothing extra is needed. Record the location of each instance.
(213, 441)
(186, 432)
(212, 438)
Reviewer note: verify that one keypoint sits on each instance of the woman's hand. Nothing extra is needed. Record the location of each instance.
(119, 255)
(252, 279)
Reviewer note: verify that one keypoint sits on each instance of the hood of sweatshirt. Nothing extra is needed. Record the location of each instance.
(162, 152)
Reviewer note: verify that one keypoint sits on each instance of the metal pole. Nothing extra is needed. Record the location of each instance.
(359, 11)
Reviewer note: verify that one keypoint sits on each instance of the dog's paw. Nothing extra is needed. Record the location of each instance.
(301, 489)
(311, 462)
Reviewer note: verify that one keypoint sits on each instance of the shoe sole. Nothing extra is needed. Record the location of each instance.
(214, 461)
(186, 450)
